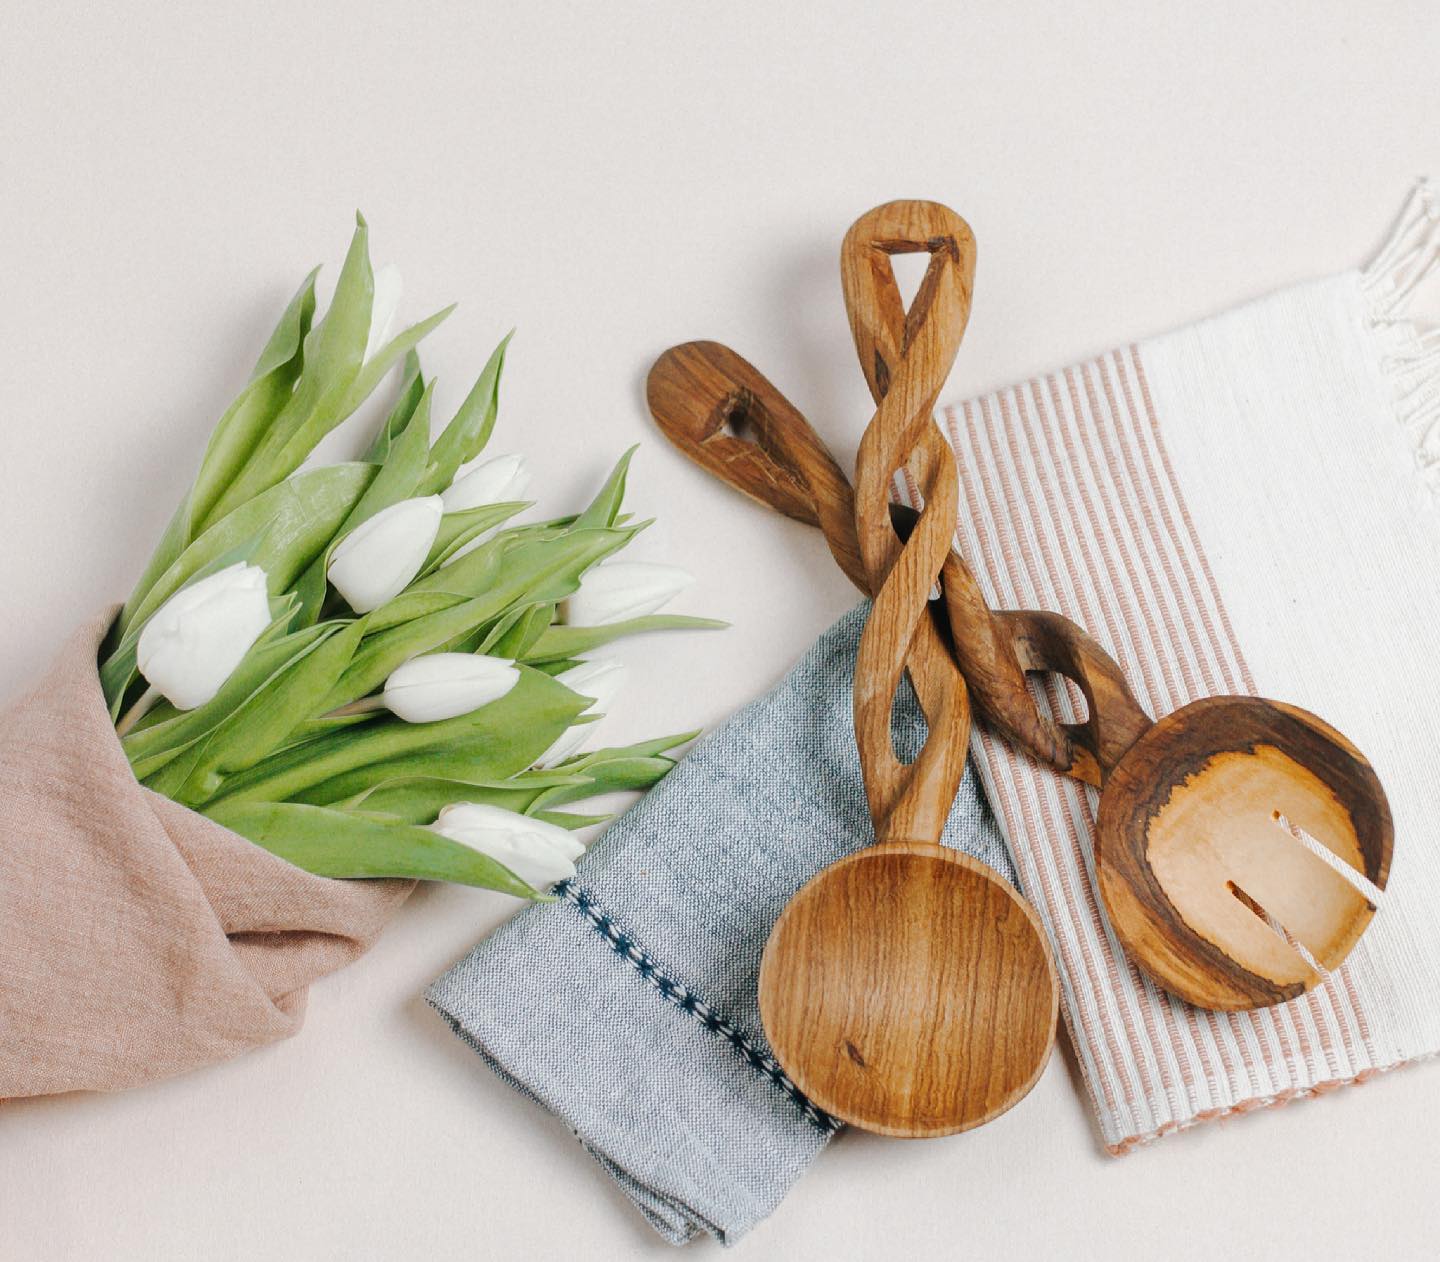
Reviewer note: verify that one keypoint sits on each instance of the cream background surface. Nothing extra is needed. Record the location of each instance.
(613, 179)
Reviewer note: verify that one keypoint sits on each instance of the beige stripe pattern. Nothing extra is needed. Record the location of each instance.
(1069, 502)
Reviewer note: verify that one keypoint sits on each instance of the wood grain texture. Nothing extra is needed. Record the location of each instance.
(1170, 929)
(909, 992)
(906, 357)
(1192, 846)
(908, 987)
(723, 413)
(995, 650)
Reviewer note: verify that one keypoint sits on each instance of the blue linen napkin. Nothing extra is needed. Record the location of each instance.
(629, 1008)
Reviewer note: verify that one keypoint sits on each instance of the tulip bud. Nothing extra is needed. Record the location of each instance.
(384, 303)
(599, 678)
(196, 638)
(444, 685)
(622, 589)
(538, 853)
(375, 562)
(499, 480)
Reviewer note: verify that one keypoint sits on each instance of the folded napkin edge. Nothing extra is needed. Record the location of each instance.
(627, 948)
(680, 1227)
(720, 1191)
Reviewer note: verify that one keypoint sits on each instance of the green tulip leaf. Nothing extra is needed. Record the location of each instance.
(412, 387)
(419, 798)
(562, 641)
(479, 639)
(557, 666)
(465, 436)
(476, 572)
(400, 473)
(243, 427)
(150, 746)
(334, 351)
(568, 819)
(613, 776)
(394, 482)
(458, 529)
(175, 770)
(308, 729)
(270, 715)
(373, 371)
(523, 631)
(234, 439)
(407, 607)
(606, 504)
(494, 742)
(342, 844)
(543, 570)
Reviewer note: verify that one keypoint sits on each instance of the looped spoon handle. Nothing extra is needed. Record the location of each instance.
(727, 417)
(907, 357)
(907, 988)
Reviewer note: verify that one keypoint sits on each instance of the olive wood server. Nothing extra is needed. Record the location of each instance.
(1194, 841)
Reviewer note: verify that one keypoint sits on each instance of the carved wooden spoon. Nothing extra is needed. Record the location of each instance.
(1196, 823)
(908, 989)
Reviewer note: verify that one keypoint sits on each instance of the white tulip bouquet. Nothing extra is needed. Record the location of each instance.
(366, 668)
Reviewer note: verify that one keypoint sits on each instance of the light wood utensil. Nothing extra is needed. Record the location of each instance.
(906, 989)
(1196, 844)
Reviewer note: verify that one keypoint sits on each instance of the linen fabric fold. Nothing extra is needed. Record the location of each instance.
(629, 1008)
(139, 939)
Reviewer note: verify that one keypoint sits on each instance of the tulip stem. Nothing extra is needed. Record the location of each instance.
(147, 702)
(366, 705)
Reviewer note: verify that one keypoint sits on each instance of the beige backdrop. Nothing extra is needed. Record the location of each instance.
(612, 179)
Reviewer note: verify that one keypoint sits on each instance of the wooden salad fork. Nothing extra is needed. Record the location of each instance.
(1210, 821)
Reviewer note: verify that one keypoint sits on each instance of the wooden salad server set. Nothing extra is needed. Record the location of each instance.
(907, 989)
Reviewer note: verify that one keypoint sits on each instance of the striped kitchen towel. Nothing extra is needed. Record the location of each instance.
(1246, 505)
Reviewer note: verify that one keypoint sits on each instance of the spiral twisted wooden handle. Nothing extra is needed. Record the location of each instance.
(906, 357)
(705, 396)
(728, 418)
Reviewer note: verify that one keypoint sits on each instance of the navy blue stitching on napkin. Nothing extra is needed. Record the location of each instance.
(643, 963)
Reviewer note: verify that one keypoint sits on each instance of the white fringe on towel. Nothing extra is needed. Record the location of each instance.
(1410, 349)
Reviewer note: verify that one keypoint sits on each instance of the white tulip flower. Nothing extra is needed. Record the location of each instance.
(443, 685)
(538, 853)
(599, 678)
(499, 480)
(619, 590)
(375, 562)
(195, 639)
(384, 303)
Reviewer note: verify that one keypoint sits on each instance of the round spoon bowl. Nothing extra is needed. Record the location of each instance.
(1206, 853)
(910, 991)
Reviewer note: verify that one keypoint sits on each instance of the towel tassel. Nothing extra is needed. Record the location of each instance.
(1410, 348)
